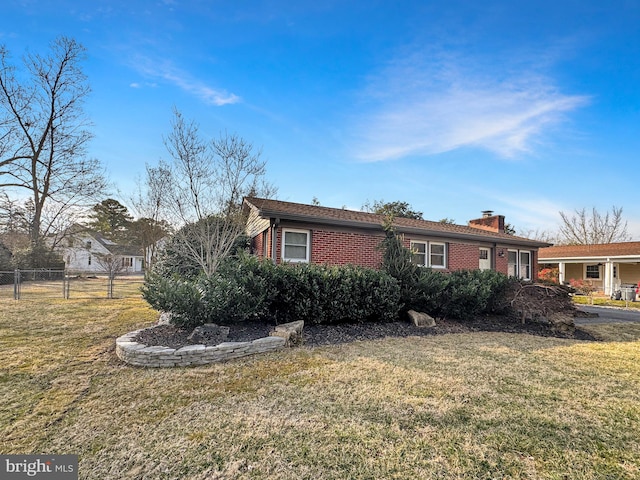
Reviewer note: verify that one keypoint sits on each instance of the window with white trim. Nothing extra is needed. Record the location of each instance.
(127, 262)
(525, 265)
(419, 253)
(519, 264)
(592, 272)
(437, 256)
(295, 246)
(429, 254)
(512, 263)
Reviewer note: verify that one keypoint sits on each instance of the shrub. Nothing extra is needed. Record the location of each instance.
(182, 298)
(473, 292)
(246, 288)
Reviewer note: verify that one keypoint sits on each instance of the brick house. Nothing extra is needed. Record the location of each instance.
(298, 233)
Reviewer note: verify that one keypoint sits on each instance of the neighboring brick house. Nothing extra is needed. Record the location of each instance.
(606, 266)
(295, 233)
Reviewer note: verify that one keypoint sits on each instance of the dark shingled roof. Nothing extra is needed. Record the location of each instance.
(352, 218)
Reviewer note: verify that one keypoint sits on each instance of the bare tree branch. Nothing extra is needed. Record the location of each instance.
(202, 190)
(43, 132)
(582, 228)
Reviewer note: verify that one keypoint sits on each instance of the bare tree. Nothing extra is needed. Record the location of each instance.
(583, 228)
(43, 134)
(150, 205)
(539, 234)
(203, 190)
(111, 265)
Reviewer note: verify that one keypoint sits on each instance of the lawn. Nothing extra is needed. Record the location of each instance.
(604, 301)
(468, 406)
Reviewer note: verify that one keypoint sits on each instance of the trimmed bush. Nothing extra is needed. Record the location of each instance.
(325, 295)
(247, 288)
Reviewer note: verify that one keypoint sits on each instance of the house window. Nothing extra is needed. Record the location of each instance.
(295, 246)
(512, 263)
(127, 262)
(525, 265)
(436, 257)
(88, 244)
(519, 264)
(592, 272)
(484, 254)
(89, 260)
(419, 253)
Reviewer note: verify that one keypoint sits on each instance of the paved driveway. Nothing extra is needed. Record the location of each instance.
(608, 315)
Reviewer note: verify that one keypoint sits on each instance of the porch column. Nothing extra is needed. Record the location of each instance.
(608, 277)
(561, 274)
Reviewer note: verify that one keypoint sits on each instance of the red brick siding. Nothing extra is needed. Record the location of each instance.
(258, 244)
(502, 262)
(333, 247)
(463, 256)
(342, 248)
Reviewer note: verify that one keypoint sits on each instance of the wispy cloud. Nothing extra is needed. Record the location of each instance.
(423, 105)
(165, 70)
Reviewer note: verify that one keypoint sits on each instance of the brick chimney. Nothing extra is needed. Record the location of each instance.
(489, 222)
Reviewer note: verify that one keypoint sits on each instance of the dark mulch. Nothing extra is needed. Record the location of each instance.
(315, 335)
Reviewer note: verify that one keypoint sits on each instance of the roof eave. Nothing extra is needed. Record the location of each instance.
(266, 213)
(592, 258)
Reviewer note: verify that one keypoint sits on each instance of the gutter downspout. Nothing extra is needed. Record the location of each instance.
(274, 240)
(494, 259)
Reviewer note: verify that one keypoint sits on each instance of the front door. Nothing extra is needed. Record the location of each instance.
(485, 259)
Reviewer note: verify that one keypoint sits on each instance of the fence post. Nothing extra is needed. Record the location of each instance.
(16, 284)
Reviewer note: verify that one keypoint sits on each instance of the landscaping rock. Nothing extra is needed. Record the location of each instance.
(209, 332)
(164, 319)
(291, 332)
(421, 320)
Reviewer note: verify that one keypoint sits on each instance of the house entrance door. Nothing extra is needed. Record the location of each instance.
(485, 259)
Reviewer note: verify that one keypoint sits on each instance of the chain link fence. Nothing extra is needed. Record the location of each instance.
(44, 283)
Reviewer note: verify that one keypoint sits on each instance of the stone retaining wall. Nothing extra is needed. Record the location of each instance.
(134, 353)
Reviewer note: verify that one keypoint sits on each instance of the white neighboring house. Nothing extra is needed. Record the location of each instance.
(83, 250)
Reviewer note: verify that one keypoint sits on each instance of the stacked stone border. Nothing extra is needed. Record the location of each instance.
(138, 354)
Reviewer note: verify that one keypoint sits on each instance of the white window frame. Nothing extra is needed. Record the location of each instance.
(428, 253)
(521, 264)
(518, 265)
(425, 253)
(284, 245)
(599, 277)
(443, 254)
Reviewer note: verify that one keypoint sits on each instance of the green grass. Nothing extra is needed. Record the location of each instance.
(605, 302)
(467, 406)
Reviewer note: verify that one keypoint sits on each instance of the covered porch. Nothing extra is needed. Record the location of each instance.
(606, 267)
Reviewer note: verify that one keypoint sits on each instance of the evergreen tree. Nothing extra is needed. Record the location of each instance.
(111, 219)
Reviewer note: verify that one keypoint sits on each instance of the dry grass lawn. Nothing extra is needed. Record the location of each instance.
(467, 406)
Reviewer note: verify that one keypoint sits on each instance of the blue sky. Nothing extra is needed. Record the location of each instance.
(525, 108)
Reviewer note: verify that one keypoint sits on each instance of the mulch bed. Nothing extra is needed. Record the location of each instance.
(316, 335)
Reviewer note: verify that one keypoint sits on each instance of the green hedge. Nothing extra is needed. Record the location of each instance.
(247, 288)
